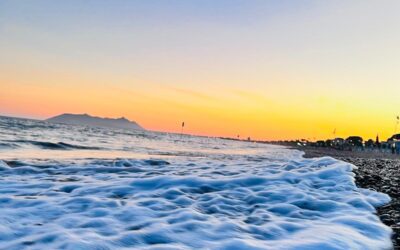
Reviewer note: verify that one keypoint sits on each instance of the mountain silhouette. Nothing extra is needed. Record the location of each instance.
(85, 119)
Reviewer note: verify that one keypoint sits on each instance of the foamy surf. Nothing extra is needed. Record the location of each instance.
(210, 204)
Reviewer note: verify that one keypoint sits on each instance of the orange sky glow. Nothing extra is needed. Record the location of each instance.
(263, 70)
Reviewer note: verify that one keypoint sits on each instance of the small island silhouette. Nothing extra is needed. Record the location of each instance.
(85, 119)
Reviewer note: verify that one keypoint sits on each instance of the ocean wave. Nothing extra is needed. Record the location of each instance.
(87, 167)
(8, 145)
(178, 204)
(52, 145)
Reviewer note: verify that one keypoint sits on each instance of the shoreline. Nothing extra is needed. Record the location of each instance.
(380, 172)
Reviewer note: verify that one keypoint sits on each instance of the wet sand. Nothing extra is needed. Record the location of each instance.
(377, 171)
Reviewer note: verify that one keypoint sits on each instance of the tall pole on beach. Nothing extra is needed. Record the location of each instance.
(397, 124)
(183, 125)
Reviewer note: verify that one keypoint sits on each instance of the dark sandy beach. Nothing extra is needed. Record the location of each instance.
(376, 171)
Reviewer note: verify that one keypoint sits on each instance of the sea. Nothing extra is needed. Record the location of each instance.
(79, 187)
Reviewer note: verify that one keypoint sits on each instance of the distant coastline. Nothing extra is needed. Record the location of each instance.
(85, 119)
(119, 123)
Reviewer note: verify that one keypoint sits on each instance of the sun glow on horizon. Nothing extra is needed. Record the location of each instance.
(259, 69)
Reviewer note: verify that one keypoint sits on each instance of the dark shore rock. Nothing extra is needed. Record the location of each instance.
(377, 172)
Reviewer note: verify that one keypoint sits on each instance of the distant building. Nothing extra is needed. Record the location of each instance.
(338, 143)
(329, 143)
(394, 142)
(354, 141)
(370, 143)
(320, 143)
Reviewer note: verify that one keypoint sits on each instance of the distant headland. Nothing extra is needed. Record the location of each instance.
(85, 119)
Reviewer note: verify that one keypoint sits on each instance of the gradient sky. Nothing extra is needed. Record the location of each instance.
(266, 69)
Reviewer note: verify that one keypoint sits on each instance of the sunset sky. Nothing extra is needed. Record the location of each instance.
(265, 69)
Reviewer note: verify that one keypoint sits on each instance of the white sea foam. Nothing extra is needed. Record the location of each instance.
(280, 203)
